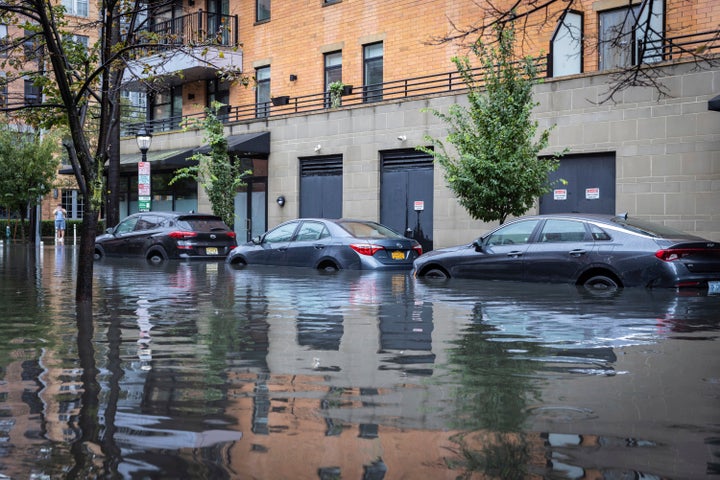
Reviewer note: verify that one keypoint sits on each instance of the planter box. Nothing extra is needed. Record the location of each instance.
(347, 90)
(278, 101)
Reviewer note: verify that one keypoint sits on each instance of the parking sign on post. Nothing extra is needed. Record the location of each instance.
(144, 186)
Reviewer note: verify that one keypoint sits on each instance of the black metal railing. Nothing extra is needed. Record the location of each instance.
(443, 83)
(197, 28)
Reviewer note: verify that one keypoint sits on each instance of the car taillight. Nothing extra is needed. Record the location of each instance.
(366, 248)
(418, 249)
(231, 234)
(670, 254)
(181, 235)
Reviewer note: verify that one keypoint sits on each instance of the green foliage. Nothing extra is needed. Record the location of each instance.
(336, 91)
(216, 172)
(495, 171)
(29, 165)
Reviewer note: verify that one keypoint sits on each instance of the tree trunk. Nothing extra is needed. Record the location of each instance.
(83, 289)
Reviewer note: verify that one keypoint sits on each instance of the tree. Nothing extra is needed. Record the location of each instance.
(80, 87)
(215, 171)
(29, 164)
(496, 171)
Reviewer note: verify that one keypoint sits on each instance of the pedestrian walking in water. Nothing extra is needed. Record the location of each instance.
(60, 214)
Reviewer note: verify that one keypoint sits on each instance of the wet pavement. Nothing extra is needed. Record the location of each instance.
(196, 370)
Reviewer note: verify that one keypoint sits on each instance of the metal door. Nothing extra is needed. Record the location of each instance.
(321, 187)
(590, 186)
(406, 194)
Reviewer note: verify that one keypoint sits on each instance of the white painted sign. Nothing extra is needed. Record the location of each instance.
(419, 205)
(592, 193)
(560, 194)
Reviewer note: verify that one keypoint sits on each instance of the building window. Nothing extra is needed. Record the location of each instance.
(76, 8)
(73, 203)
(166, 110)
(617, 37)
(262, 10)
(3, 39)
(566, 46)
(373, 72)
(219, 91)
(33, 93)
(333, 72)
(262, 92)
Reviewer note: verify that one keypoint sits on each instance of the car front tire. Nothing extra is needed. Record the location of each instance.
(435, 273)
(98, 254)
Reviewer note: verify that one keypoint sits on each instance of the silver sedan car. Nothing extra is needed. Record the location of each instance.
(599, 252)
(329, 245)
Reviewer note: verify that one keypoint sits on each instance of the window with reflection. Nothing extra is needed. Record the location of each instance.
(373, 72)
(262, 92)
(513, 234)
(262, 10)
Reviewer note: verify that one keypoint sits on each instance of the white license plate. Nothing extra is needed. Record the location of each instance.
(714, 288)
(211, 251)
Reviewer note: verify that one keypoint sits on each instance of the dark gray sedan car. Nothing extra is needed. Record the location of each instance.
(595, 251)
(329, 245)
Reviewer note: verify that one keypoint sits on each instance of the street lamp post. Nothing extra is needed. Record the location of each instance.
(143, 139)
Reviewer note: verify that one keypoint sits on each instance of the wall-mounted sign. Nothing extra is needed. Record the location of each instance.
(560, 194)
(419, 205)
(592, 193)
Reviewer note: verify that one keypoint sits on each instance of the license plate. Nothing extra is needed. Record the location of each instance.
(211, 251)
(397, 255)
(714, 288)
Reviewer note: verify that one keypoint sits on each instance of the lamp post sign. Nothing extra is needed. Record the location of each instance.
(144, 186)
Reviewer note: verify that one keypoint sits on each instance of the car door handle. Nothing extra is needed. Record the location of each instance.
(319, 246)
(514, 253)
(578, 252)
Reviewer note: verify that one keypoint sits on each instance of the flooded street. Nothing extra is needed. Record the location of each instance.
(199, 371)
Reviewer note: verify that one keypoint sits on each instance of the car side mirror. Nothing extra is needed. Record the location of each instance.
(109, 230)
(478, 244)
(257, 240)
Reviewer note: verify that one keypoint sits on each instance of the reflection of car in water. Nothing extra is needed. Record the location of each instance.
(600, 252)
(159, 236)
(329, 245)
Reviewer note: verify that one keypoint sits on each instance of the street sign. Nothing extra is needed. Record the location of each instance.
(144, 186)
(419, 205)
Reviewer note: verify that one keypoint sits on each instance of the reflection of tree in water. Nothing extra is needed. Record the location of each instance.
(490, 402)
(493, 382)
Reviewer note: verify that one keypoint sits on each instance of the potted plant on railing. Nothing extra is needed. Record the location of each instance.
(337, 90)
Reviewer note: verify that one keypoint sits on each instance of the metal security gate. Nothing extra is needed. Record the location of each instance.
(406, 194)
(590, 185)
(321, 187)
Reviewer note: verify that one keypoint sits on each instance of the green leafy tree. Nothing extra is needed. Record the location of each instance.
(29, 164)
(215, 171)
(495, 171)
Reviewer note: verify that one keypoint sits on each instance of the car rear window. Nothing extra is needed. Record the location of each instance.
(369, 230)
(650, 228)
(202, 224)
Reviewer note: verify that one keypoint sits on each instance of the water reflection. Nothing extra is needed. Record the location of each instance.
(193, 370)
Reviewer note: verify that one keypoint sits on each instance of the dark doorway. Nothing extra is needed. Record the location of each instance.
(251, 201)
(406, 194)
(590, 185)
(321, 187)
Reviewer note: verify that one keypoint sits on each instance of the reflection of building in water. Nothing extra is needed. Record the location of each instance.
(299, 427)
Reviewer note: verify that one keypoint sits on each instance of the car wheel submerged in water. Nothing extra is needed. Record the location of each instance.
(601, 283)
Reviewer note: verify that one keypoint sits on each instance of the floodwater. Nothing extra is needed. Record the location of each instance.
(199, 371)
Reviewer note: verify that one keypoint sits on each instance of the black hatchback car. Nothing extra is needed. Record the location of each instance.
(595, 251)
(329, 245)
(159, 236)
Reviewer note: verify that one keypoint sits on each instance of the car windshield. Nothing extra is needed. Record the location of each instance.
(650, 228)
(368, 230)
(202, 224)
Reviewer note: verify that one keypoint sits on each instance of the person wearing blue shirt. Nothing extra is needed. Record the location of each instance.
(60, 214)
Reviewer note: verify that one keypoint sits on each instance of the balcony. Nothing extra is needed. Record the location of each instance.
(197, 45)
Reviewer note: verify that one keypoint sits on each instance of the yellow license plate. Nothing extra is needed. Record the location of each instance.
(398, 255)
(211, 251)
